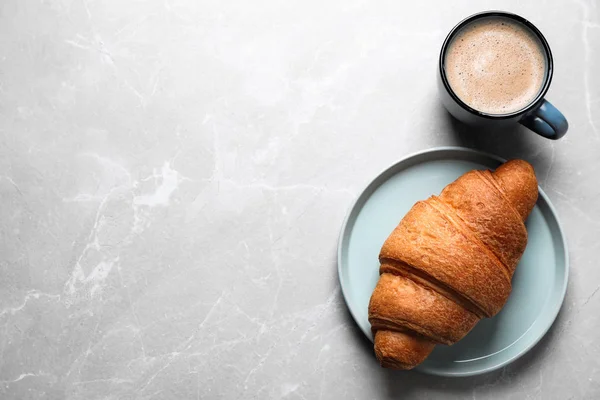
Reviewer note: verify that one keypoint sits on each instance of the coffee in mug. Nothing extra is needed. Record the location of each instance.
(495, 68)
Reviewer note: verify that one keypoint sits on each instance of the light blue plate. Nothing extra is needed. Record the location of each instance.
(539, 283)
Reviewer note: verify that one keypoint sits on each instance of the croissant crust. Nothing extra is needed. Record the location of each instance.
(450, 262)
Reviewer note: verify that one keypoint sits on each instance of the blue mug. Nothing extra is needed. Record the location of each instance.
(540, 116)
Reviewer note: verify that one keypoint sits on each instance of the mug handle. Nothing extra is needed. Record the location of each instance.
(546, 121)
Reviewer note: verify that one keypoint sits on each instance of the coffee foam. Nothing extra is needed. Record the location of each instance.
(495, 65)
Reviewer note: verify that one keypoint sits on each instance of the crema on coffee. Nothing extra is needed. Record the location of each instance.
(495, 65)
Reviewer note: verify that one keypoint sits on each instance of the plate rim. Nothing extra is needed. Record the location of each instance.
(465, 150)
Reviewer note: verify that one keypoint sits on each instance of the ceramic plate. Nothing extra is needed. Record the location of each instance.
(539, 283)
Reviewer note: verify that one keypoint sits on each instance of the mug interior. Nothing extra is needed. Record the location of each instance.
(522, 22)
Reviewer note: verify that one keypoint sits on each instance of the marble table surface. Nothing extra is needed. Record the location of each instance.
(174, 174)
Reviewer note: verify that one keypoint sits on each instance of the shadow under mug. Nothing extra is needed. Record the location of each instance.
(540, 116)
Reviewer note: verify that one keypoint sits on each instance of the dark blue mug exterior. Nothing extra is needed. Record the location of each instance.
(540, 116)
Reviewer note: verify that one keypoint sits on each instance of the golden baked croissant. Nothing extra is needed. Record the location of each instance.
(450, 262)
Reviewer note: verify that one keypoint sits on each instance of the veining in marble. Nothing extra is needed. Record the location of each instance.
(174, 175)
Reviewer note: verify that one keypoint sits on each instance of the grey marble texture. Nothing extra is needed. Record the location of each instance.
(174, 175)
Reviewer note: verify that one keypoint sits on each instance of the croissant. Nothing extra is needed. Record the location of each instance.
(450, 262)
